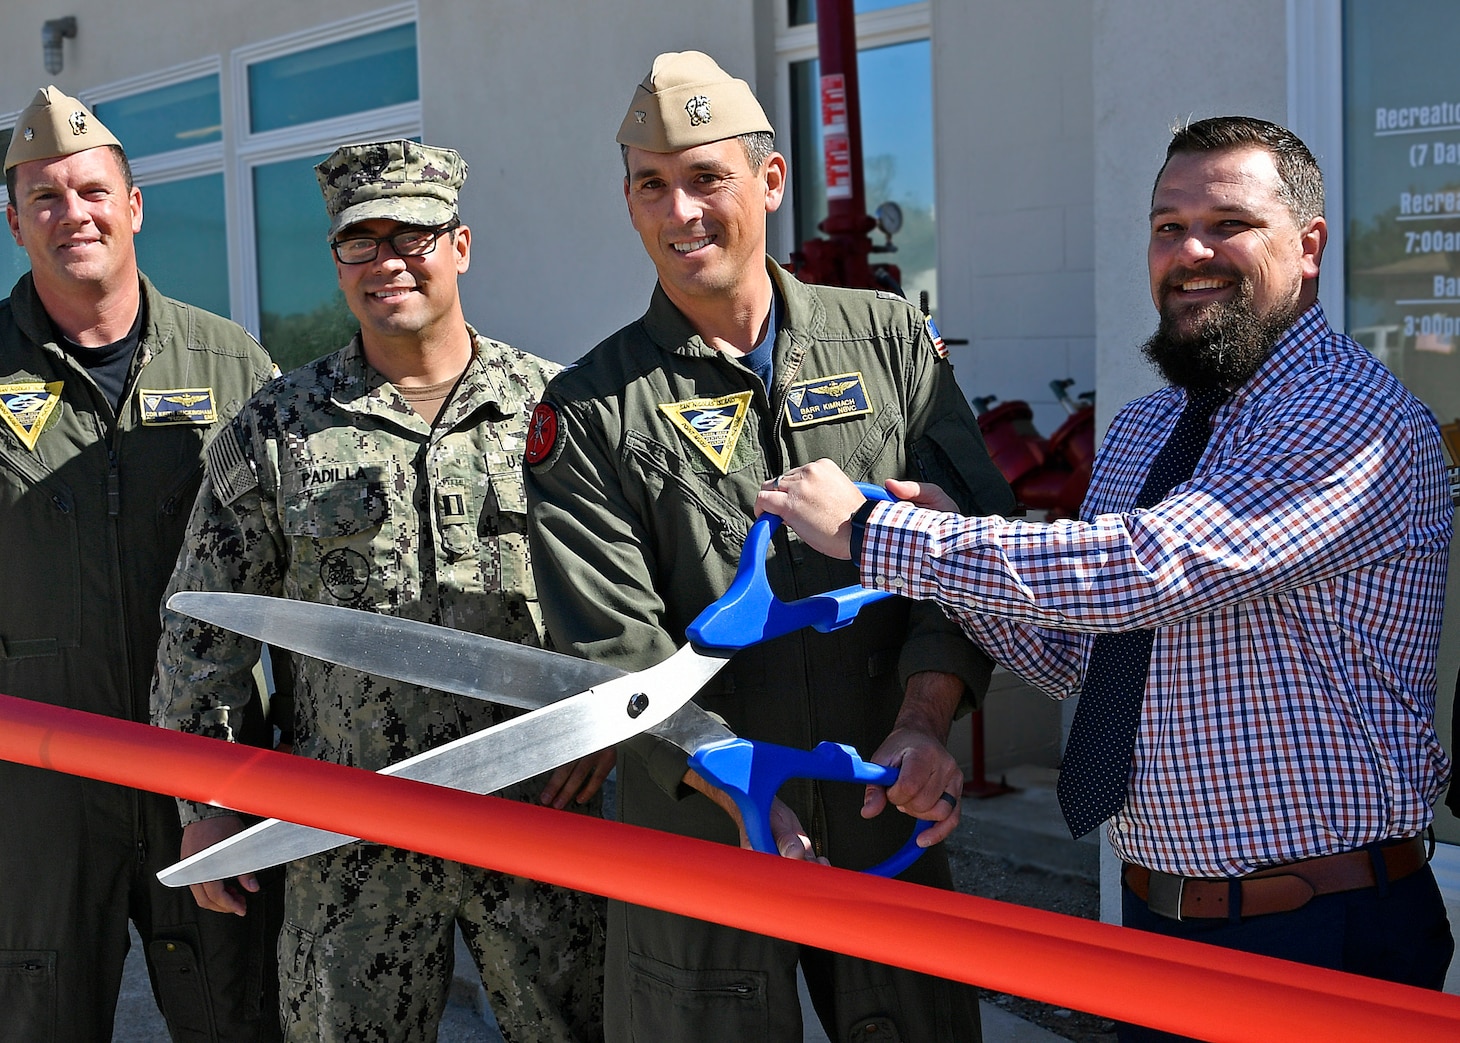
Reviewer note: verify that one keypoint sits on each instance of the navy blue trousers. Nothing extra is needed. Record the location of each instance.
(1396, 931)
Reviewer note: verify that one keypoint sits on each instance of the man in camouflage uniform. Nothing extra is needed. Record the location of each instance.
(644, 464)
(385, 477)
(108, 391)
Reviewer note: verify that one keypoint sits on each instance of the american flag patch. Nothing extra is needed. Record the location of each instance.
(938, 346)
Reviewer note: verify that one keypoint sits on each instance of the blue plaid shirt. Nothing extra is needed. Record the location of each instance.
(1296, 584)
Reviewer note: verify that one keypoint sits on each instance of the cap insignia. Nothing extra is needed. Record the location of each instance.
(29, 133)
(640, 115)
(698, 108)
(78, 121)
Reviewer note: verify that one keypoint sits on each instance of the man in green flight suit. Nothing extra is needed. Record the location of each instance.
(108, 391)
(385, 477)
(645, 458)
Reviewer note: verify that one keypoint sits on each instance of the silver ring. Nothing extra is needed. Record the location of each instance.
(950, 798)
(776, 482)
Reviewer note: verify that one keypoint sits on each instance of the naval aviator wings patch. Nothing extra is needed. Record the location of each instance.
(26, 407)
(712, 425)
(177, 406)
(826, 398)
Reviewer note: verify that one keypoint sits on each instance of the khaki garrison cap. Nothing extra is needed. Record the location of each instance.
(392, 180)
(55, 125)
(688, 100)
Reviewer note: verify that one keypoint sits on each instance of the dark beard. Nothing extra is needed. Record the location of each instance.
(1224, 347)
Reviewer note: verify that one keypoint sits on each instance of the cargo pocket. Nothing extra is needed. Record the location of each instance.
(28, 992)
(296, 977)
(720, 1005)
(180, 985)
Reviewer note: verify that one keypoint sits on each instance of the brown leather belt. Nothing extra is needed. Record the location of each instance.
(1280, 889)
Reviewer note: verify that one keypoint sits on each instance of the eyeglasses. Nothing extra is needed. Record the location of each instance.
(409, 242)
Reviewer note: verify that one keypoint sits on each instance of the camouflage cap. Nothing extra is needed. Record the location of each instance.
(55, 125)
(392, 180)
(688, 100)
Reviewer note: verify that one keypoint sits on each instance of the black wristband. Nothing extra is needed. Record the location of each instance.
(859, 529)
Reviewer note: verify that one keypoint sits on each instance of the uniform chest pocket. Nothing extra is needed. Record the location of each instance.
(502, 530)
(342, 541)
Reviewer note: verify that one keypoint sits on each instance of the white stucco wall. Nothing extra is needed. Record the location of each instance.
(532, 92)
(1015, 151)
(1152, 70)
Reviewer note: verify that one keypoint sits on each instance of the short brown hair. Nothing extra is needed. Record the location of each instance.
(1298, 172)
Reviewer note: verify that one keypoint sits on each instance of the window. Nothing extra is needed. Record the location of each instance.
(13, 262)
(1402, 193)
(302, 313)
(803, 12)
(183, 246)
(302, 97)
(233, 222)
(171, 124)
(894, 67)
(371, 71)
(176, 116)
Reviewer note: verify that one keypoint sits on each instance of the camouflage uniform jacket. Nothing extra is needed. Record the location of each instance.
(328, 487)
(636, 527)
(92, 511)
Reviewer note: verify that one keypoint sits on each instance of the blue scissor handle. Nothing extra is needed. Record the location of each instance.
(749, 613)
(753, 772)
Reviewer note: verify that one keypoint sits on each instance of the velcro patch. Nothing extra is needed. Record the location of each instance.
(178, 406)
(229, 467)
(712, 425)
(816, 401)
(542, 434)
(26, 407)
(939, 348)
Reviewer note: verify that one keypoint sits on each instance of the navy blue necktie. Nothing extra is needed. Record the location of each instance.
(1097, 760)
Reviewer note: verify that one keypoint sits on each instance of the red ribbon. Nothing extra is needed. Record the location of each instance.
(1170, 984)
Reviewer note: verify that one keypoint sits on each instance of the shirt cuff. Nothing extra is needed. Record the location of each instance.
(859, 529)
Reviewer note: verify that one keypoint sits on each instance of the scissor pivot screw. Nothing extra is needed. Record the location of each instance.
(638, 703)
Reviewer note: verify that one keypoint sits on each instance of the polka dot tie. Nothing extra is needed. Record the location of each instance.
(1102, 742)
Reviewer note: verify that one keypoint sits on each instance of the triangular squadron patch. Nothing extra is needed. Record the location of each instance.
(25, 408)
(712, 425)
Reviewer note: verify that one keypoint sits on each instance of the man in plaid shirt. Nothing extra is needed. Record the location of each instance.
(1283, 760)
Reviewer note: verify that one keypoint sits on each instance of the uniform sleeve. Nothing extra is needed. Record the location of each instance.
(946, 448)
(204, 683)
(593, 559)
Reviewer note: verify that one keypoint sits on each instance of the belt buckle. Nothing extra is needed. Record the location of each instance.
(1163, 894)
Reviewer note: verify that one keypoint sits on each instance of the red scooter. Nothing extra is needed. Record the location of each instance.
(1046, 474)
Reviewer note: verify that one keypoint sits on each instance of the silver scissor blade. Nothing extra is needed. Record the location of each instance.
(402, 649)
(486, 761)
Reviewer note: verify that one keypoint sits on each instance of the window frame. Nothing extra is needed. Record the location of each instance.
(252, 150)
(795, 43)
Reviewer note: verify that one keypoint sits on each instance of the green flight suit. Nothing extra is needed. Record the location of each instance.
(330, 488)
(639, 507)
(93, 503)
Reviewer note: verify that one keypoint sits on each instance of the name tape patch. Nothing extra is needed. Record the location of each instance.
(712, 425)
(26, 407)
(826, 398)
(177, 406)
